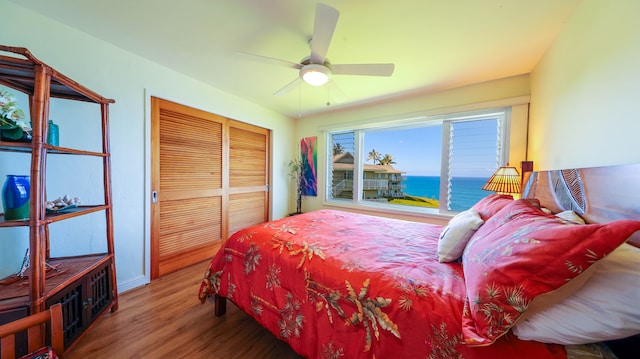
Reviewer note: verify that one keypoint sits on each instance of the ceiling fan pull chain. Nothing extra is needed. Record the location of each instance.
(328, 96)
(299, 102)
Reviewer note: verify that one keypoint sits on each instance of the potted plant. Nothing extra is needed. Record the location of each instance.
(13, 126)
(296, 171)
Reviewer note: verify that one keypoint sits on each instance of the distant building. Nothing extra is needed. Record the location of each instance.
(380, 182)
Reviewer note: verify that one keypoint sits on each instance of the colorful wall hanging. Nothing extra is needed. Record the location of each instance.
(309, 155)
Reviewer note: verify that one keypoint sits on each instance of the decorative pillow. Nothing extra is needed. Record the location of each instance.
(42, 353)
(456, 234)
(605, 308)
(491, 204)
(521, 253)
(546, 210)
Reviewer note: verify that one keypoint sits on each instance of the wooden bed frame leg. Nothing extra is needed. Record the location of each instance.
(220, 304)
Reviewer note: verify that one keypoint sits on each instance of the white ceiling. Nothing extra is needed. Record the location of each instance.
(434, 44)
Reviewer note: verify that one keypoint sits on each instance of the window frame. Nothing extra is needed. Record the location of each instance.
(503, 114)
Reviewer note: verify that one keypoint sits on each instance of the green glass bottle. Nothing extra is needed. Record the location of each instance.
(53, 135)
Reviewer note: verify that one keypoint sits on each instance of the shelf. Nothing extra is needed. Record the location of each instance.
(26, 148)
(74, 212)
(20, 74)
(71, 151)
(72, 268)
(85, 285)
(12, 223)
(54, 217)
(15, 146)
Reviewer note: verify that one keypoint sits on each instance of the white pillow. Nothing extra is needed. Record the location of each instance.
(605, 308)
(570, 216)
(456, 234)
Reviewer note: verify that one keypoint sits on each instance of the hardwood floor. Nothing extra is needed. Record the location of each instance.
(166, 320)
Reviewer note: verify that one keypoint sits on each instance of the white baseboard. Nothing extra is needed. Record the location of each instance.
(132, 284)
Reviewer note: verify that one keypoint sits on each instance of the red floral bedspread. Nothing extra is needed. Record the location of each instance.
(342, 285)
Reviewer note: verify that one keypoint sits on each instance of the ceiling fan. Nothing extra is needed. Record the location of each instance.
(315, 69)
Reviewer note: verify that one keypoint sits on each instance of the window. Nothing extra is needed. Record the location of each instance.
(436, 162)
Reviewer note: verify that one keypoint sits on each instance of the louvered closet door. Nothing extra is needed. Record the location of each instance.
(248, 175)
(187, 174)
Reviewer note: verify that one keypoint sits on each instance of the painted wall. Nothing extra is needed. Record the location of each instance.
(584, 90)
(513, 91)
(130, 80)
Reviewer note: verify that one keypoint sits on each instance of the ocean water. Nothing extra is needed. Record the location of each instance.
(466, 190)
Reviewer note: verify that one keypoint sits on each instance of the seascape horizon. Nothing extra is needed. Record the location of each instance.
(467, 190)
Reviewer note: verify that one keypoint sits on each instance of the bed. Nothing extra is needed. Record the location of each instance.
(335, 284)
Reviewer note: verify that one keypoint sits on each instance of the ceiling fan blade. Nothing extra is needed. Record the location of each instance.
(288, 87)
(269, 60)
(324, 25)
(335, 93)
(363, 69)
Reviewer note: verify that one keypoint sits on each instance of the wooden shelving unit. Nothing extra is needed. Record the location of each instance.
(86, 284)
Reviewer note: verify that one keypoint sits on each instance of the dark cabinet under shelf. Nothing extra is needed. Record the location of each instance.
(84, 300)
(10, 315)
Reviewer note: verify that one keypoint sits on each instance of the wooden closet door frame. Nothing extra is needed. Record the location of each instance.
(236, 189)
(161, 264)
(152, 252)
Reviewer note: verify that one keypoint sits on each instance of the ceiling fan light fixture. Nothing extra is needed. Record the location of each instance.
(315, 74)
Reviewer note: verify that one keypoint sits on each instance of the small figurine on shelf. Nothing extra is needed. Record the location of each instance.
(20, 274)
(25, 265)
(13, 126)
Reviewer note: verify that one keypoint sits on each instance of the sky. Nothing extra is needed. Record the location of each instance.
(418, 151)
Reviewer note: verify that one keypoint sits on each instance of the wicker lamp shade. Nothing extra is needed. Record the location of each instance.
(505, 180)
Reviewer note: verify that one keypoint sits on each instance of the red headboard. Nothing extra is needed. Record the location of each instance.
(598, 194)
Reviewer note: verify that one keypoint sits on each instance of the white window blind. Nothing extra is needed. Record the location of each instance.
(474, 154)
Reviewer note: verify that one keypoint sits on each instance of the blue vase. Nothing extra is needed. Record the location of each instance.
(15, 197)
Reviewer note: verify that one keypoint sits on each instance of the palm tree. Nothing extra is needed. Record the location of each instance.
(296, 171)
(337, 149)
(375, 156)
(386, 160)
